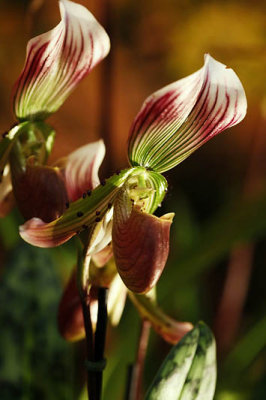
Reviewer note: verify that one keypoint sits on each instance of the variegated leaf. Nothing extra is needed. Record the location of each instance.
(189, 371)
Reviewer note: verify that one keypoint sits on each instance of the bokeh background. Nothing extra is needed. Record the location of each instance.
(216, 268)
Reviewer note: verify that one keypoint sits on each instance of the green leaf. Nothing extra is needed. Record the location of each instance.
(189, 370)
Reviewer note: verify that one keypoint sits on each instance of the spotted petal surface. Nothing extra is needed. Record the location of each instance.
(176, 120)
(57, 60)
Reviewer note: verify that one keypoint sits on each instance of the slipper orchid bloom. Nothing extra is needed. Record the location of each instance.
(56, 61)
(172, 123)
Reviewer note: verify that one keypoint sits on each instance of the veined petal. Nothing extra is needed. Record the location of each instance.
(140, 245)
(176, 120)
(170, 330)
(80, 215)
(57, 60)
(81, 170)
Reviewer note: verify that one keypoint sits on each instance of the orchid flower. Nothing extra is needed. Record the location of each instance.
(172, 123)
(56, 61)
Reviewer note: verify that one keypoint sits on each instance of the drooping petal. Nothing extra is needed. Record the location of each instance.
(40, 192)
(81, 170)
(80, 215)
(140, 245)
(170, 330)
(70, 316)
(57, 60)
(176, 120)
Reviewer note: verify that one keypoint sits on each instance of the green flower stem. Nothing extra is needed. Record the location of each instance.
(100, 336)
(89, 347)
(95, 362)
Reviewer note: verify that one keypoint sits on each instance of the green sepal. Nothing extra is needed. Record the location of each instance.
(189, 370)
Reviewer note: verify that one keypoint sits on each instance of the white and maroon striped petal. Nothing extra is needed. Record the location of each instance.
(57, 60)
(81, 170)
(178, 119)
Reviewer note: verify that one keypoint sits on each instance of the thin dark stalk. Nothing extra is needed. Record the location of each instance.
(100, 336)
(135, 377)
(91, 386)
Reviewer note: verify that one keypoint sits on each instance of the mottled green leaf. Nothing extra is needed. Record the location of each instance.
(189, 371)
(201, 379)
